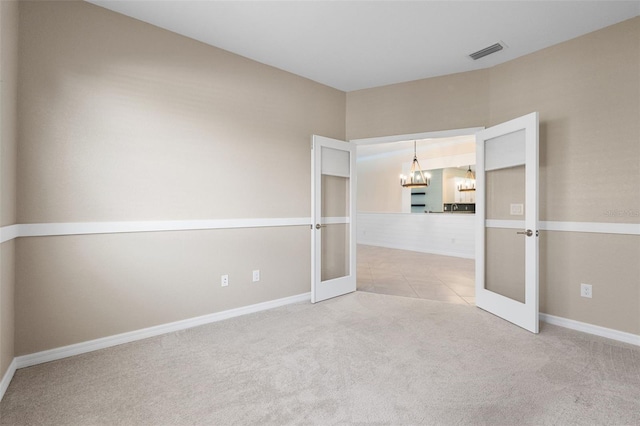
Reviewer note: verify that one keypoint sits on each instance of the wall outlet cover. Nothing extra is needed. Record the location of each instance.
(224, 280)
(256, 275)
(516, 209)
(586, 290)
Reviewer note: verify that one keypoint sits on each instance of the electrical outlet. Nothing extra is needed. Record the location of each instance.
(256, 275)
(224, 280)
(586, 290)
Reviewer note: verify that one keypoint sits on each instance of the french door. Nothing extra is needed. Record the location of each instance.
(333, 207)
(507, 215)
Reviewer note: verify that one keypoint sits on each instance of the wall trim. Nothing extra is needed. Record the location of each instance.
(588, 227)
(11, 232)
(507, 224)
(592, 227)
(597, 330)
(8, 233)
(132, 336)
(6, 379)
(422, 135)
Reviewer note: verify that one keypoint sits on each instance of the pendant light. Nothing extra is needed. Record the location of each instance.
(469, 183)
(416, 178)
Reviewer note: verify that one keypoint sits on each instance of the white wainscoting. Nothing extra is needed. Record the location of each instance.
(438, 233)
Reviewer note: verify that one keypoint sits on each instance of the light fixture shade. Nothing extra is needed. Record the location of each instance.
(470, 174)
(416, 178)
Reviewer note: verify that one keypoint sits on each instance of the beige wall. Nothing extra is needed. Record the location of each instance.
(8, 144)
(608, 262)
(77, 288)
(122, 121)
(379, 187)
(450, 102)
(587, 92)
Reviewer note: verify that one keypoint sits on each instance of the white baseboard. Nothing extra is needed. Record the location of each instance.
(132, 336)
(6, 379)
(609, 333)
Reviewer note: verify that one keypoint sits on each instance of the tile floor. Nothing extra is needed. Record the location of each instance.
(413, 274)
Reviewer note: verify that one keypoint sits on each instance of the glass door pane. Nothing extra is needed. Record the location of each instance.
(504, 247)
(335, 241)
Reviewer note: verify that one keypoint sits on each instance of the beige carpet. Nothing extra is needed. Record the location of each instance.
(363, 358)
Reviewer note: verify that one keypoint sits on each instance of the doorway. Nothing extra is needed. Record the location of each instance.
(412, 243)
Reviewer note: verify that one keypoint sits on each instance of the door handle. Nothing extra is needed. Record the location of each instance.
(528, 232)
(318, 226)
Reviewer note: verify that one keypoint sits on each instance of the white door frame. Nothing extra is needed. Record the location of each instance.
(331, 164)
(525, 315)
(417, 136)
(369, 141)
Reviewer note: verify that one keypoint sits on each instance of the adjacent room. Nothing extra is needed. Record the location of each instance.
(187, 236)
(396, 241)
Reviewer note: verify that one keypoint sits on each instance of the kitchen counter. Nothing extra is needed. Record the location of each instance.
(454, 212)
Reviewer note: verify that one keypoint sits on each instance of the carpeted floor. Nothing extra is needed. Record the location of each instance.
(363, 358)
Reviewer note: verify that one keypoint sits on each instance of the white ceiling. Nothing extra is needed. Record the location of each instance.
(351, 45)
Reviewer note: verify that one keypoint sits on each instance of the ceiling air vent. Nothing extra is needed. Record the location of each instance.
(487, 51)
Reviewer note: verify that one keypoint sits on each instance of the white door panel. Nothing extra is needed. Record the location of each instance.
(507, 242)
(333, 235)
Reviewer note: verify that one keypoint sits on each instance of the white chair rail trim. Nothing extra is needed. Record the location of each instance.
(11, 232)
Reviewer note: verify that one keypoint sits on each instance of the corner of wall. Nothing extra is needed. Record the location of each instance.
(8, 148)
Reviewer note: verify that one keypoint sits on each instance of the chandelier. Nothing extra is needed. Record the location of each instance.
(469, 183)
(416, 178)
